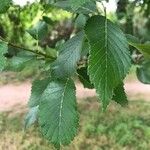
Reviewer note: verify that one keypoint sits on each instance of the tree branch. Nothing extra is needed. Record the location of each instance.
(29, 50)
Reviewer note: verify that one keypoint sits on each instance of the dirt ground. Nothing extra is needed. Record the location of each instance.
(12, 95)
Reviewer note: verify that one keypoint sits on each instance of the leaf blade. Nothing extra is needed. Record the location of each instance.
(39, 31)
(4, 5)
(84, 78)
(38, 87)
(143, 72)
(3, 50)
(31, 117)
(109, 59)
(70, 52)
(142, 48)
(58, 115)
(120, 95)
(78, 3)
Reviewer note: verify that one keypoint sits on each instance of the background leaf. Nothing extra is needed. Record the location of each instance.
(84, 78)
(132, 39)
(143, 48)
(120, 95)
(143, 72)
(38, 87)
(4, 5)
(39, 31)
(75, 4)
(31, 117)
(89, 7)
(20, 61)
(3, 50)
(80, 21)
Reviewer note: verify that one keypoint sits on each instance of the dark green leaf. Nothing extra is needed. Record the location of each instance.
(31, 117)
(143, 72)
(85, 49)
(76, 4)
(64, 5)
(80, 21)
(48, 20)
(143, 48)
(39, 31)
(89, 7)
(109, 59)
(3, 50)
(51, 53)
(70, 52)
(4, 5)
(132, 39)
(19, 62)
(58, 116)
(38, 87)
(84, 78)
(120, 95)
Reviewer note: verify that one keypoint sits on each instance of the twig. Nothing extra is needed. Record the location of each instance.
(29, 50)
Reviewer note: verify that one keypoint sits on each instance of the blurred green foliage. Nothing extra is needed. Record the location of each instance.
(126, 129)
(18, 26)
(135, 17)
(15, 23)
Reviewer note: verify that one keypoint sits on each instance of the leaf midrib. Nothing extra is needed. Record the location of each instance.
(61, 106)
(106, 45)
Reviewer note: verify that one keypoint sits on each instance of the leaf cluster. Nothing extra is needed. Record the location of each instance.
(97, 52)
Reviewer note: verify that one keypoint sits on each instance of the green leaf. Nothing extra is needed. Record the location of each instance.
(132, 39)
(120, 95)
(143, 72)
(109, 59)
(39, 31)
(19, 62)
(58, 116)
(84, 78)
(4, 5)
(38, 87)
(31, 117)
(48, 20)
(75, 4)
(64, 5)
(86, 8)
(51, 53)
(80, 21)
(69, 55)
(3, 50)
(143, 48)
(85, 49)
